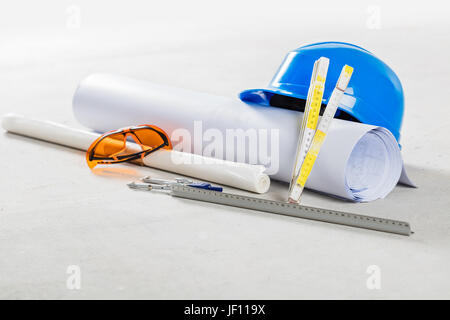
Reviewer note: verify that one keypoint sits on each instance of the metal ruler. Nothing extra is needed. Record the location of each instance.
(294, 210)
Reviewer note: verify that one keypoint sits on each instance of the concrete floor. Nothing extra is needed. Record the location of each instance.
(54, 213)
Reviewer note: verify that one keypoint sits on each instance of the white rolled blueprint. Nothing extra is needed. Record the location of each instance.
(358, 162)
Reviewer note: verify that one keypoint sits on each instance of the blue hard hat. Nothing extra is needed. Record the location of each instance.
(373, 96)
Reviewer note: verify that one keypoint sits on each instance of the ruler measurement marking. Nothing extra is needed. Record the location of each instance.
(312, 149)
(310, 117)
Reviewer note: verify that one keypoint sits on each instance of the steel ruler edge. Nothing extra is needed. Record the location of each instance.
(294, 210)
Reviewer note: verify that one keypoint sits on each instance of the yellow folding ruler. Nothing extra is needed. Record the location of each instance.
(310, 115)
(319, 136)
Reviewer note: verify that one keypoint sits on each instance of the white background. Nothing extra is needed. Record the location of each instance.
(55, 213)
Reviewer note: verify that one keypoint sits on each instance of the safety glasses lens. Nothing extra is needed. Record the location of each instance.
(106, 149)
(150, 138)
(113, 148)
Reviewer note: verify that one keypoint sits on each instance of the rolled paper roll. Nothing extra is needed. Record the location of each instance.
(237, 175)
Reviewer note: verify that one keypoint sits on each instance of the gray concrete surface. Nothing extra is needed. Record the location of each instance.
(55, 213)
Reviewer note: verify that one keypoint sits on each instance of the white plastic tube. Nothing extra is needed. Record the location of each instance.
(238, 175)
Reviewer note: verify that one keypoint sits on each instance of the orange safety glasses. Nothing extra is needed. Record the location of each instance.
(111, 147)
